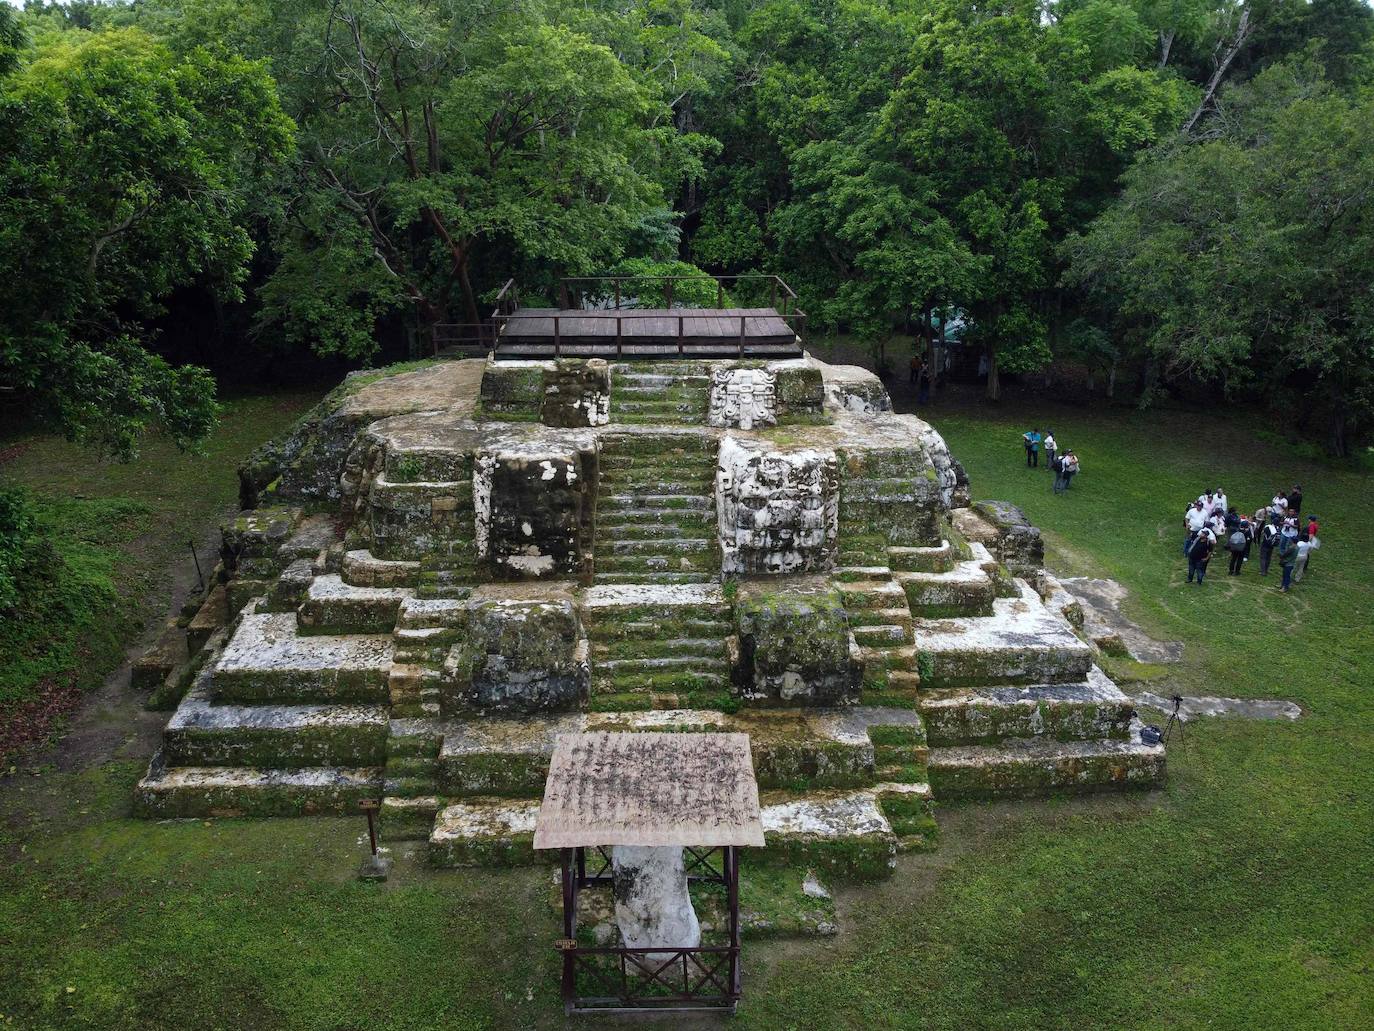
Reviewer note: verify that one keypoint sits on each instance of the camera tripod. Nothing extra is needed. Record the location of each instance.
(1174, 717)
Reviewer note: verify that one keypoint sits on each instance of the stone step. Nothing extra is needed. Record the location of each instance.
(332, 606)
(407, 819)
(208, 791)
(649, 566)
(363, 569)
(653, 602)
(965, 590)
(1022, 642)
(202, 733)
(879, 617)
(660, 418)
(610, 630)
(664, 531)
(881, 634)
(485, 832)
(939, 559)
(640, 576)
(871, 594)
(687, 502)
(1093, 710)
(1019, 767)
(411, 685)
(603, 651)
(843, 834)
(859, 573)
(680, 545)
(417, 613)
(699, 663)
(675, 521)
(660, 681)
(266, 660)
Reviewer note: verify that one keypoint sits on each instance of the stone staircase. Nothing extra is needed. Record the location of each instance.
(660, 645)
(656, 517)
(277, 722)
(660, 393)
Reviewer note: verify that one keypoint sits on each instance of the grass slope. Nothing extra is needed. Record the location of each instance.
(120, 530)
(1238, 898)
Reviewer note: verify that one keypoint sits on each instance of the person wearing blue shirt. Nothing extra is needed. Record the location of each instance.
(1032, 442)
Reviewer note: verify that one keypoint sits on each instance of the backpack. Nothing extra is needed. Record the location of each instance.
(1237, 541)
(1058, 464)
(1270, 533)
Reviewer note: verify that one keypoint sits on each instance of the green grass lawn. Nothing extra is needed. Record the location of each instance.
(1240, 897)
(121, 531)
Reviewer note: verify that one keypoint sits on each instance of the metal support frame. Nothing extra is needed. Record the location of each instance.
(635, 980)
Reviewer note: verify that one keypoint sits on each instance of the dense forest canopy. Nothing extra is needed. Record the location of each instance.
(1181, 186)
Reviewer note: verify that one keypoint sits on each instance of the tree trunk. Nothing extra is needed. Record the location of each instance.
(994, 387)
(1111, 380)
(1337, 444)
(1237, 42)
(1166, 43)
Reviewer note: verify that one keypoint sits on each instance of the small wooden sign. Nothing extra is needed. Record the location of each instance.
(565, 944)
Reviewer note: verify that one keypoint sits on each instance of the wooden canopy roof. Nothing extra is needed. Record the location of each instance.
(649, 789)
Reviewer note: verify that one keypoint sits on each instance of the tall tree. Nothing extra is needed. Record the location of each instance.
(1247, 258)
(127, 174)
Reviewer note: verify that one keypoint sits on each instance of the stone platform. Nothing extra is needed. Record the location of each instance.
(449, 567)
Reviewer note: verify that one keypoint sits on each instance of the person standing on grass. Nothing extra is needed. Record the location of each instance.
(1199, 555)
(1288, 556)
(1269, 540)
(1295, 499)
(1279, 506)
(1235, 545)
(1193, 521)
(1051, 446)
(1032, 442)
(1070, 467)
(1305, 546)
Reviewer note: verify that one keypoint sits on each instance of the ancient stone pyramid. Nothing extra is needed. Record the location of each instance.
(446, 567)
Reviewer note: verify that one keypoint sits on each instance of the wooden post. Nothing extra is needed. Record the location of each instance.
(557, 339)
(773, 294)
(617, 302)
(679, 335)
(619, 339)
(741, 335)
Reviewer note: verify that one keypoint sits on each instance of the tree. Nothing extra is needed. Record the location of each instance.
(128, 174)
(1246, 258)
(445, 146)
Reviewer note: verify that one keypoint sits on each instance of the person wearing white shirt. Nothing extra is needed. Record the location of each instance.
(1279, 506)
(1219, 500)
(1300, 566)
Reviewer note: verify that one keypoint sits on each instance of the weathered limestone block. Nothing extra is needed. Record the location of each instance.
(889, 489)
(778, 510)
(531, 503)
(1018, 544)
(304, 467)
(257, 534)
(653, 908)
(850, 388)
(742, 398)
(952, 478)
(519, 655)
(514, 390)
(794, 648)
(799, 390)
(843, 834)
(577, 392)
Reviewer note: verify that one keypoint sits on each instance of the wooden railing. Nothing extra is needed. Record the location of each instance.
(623, 291)
(795, 321)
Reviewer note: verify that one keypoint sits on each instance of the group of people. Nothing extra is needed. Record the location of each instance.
(1064, 464)
(1275, 528)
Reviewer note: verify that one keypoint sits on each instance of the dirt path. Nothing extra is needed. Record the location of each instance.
(111, 722)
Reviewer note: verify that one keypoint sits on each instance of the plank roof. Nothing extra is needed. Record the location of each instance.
(649, 789)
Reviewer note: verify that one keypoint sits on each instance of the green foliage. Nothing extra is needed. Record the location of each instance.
(130, 175)
(643, 282)
(16, 534)
(1246, 257)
